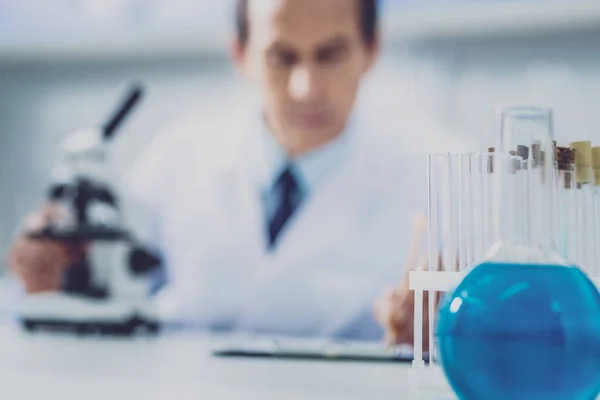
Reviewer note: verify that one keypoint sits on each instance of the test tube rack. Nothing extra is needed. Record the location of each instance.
(459, 231)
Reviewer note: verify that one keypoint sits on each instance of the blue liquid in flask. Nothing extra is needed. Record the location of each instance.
(522, 332)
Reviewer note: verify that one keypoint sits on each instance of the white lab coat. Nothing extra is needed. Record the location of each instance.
(345, 244)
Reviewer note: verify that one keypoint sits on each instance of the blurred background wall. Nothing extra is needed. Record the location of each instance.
(63, 65)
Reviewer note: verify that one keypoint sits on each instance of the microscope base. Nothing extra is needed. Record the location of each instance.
(60, 313)
(132, 327)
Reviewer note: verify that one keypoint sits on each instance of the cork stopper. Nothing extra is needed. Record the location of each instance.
(565, 163)
(523, 152)
(583, 160)
(596, 165)
(565, 158)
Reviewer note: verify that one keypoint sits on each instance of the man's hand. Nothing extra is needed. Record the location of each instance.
(394, 310)
(40, 264)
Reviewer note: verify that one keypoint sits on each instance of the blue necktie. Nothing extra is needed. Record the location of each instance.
(288, 195)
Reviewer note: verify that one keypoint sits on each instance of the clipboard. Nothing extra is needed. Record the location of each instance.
(316, 350)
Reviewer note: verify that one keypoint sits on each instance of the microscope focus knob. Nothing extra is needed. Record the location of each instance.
(143, 261)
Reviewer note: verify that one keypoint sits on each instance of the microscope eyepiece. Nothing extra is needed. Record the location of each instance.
(132, 98)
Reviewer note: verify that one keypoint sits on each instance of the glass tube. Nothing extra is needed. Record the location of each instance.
(460, 208)
(487, 188)
(596, 207)
(469, 205)
(437, 194)
(521, 230)
(479, 207)
(567, 233)
(440, 168)
(585, 209)
(443, 211)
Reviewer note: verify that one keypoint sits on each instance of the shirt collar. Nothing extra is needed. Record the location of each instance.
(311, 168)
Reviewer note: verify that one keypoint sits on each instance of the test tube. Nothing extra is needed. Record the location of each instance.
(514, 180)
(567, 232)
(521, 205)
(468, 209)
(456, 185)
(440, 204)
(479, 174)
(437, 193)
(596, 205)
(584, 199)
(487, 188)
(444, 195)
(439, 196)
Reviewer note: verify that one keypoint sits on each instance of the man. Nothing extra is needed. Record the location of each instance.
(291, 221)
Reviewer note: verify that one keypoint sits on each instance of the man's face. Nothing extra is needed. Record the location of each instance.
(308, 58)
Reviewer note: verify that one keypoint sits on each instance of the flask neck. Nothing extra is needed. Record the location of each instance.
(524, 179)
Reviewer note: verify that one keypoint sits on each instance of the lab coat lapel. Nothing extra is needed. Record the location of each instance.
(214, 231)
(247, 216)
(321, 223)
(291, 292)
(303, 287)
(328, 217)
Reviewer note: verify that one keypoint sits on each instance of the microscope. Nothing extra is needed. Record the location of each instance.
(106, 292)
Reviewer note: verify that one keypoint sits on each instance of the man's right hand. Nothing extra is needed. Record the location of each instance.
(39, 263)
(394, 309)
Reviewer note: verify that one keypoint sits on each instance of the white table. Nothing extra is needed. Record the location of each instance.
(181, 367)
(176, 367)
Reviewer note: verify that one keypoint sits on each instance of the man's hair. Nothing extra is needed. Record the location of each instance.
(368, 20)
